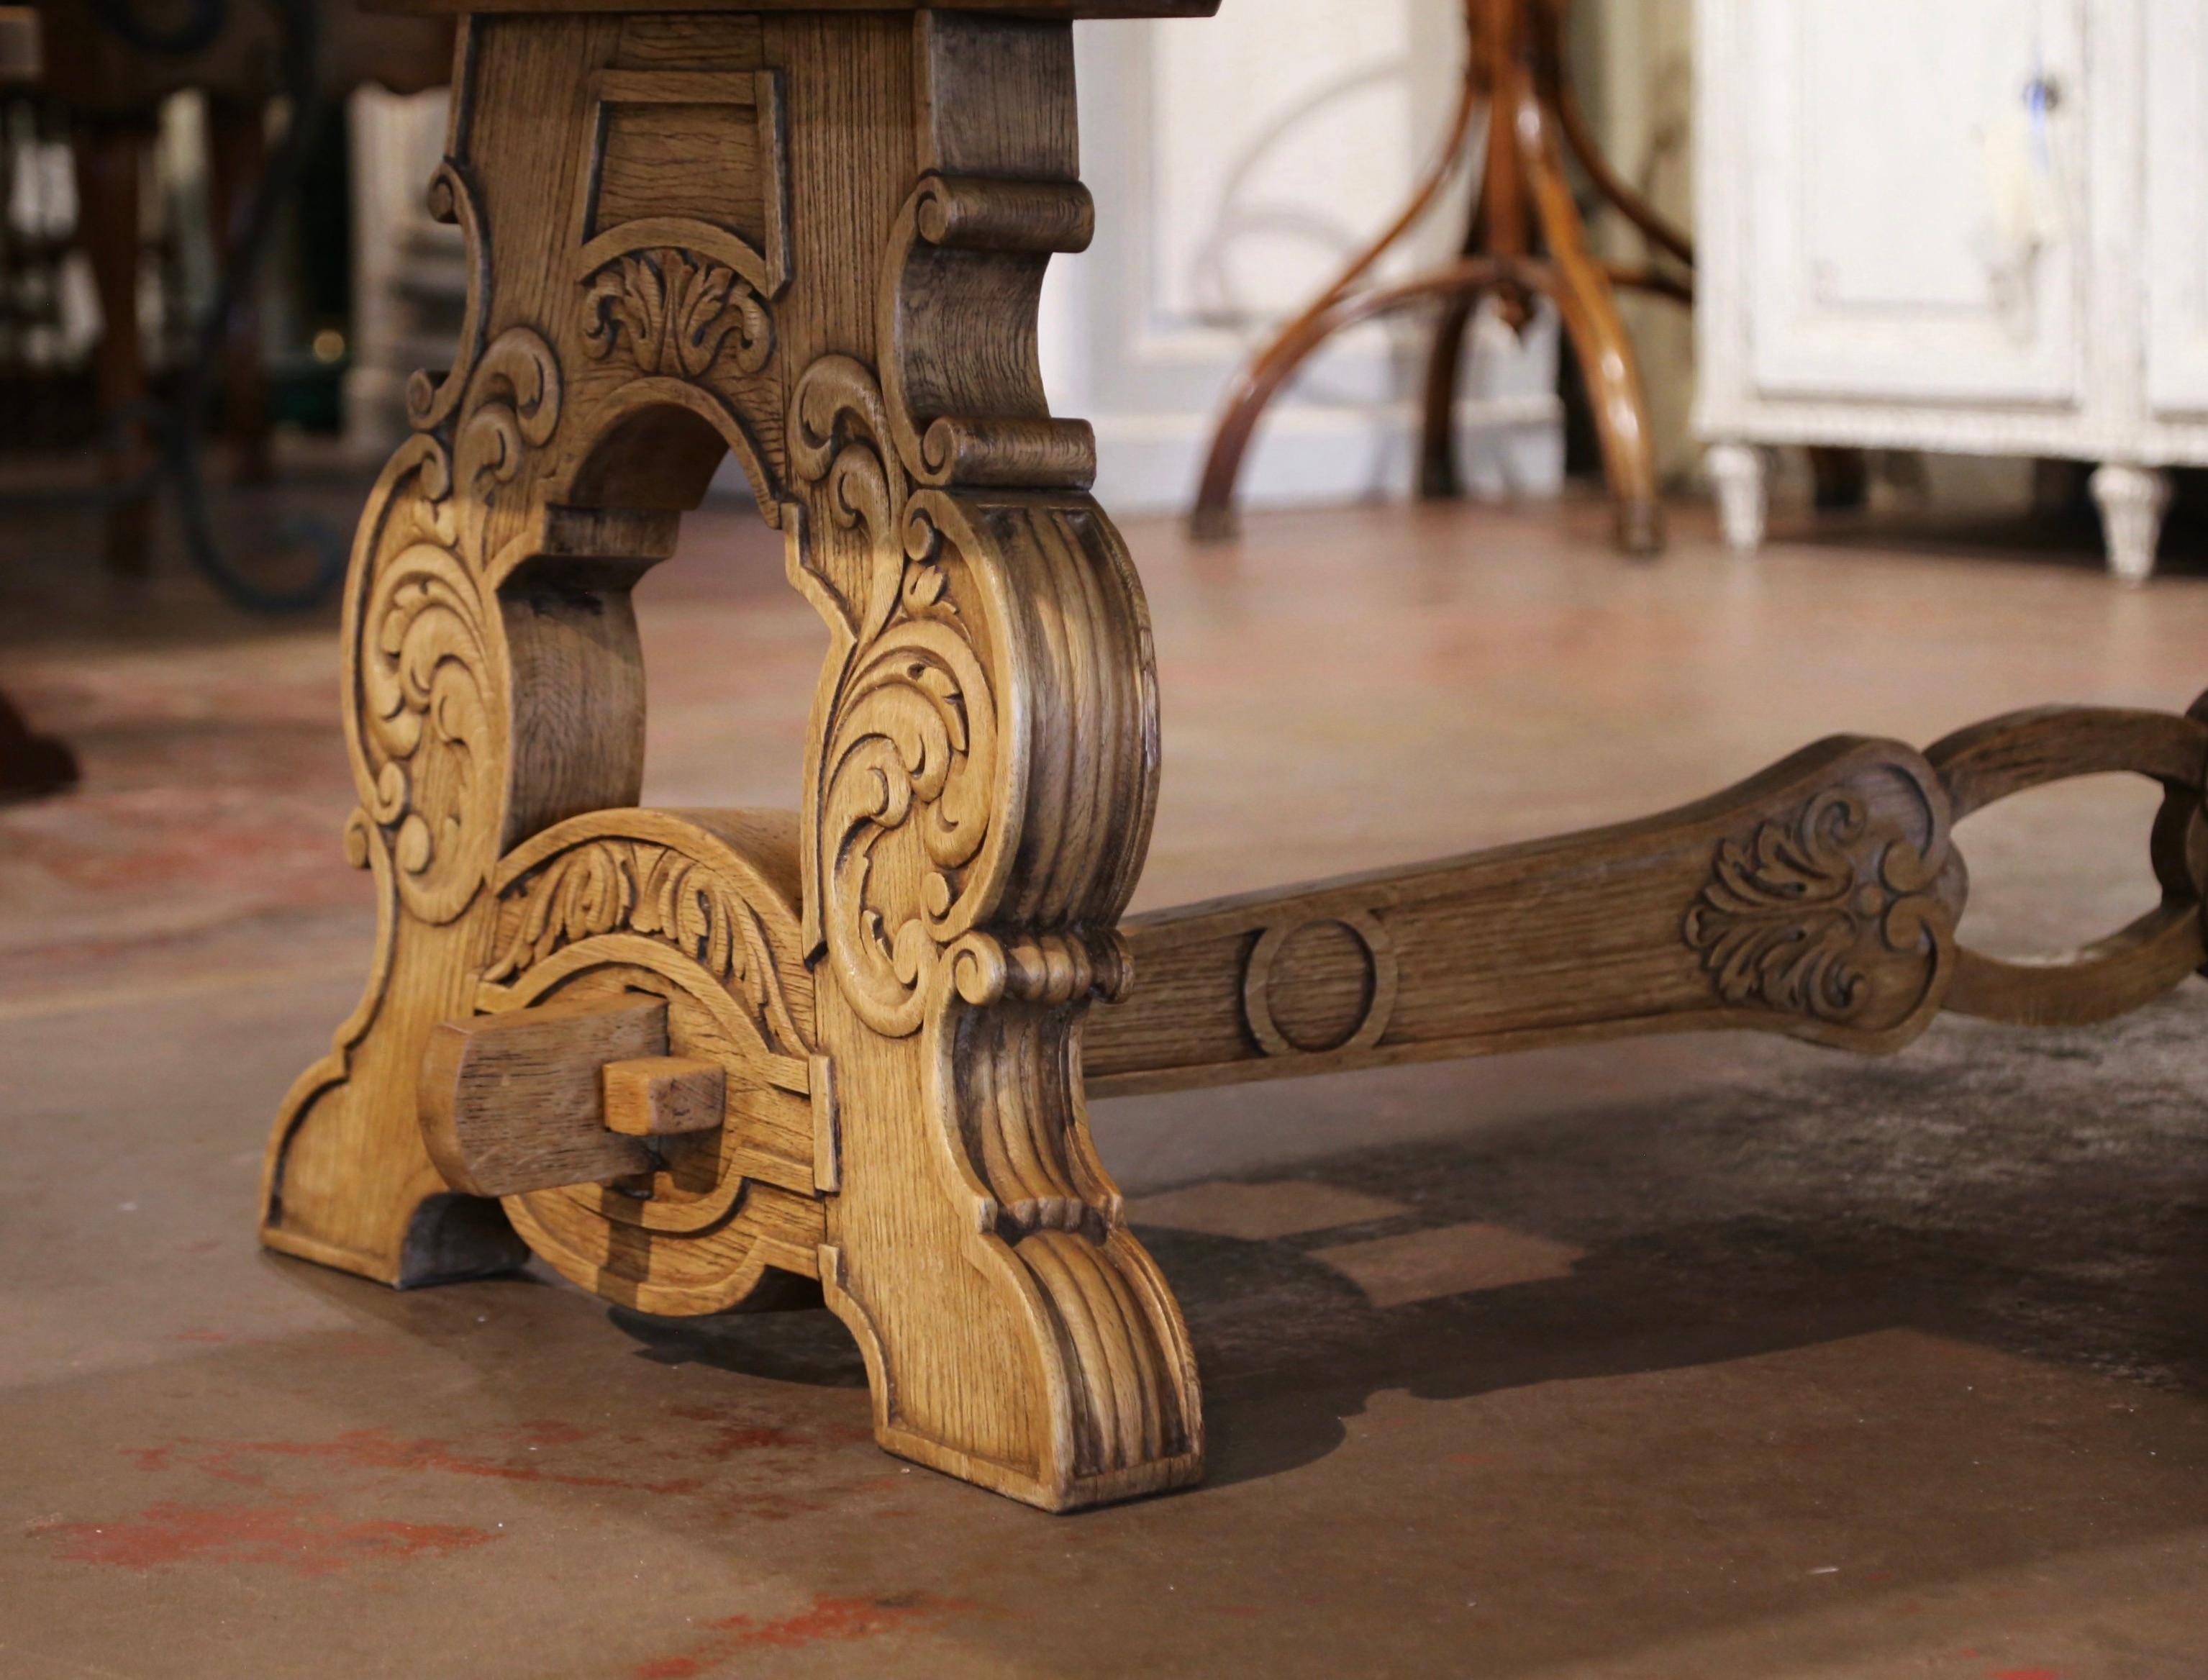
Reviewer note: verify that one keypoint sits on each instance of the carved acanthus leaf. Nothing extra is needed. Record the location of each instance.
(672, 312)
(613, 885)
(1792, 918)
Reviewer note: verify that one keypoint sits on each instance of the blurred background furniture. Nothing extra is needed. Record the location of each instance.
(409, 272)
(108, 90)
(1972, 227)
(1517, 116)
(30, 765)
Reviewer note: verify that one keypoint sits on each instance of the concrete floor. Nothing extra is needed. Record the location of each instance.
(1704, 1357)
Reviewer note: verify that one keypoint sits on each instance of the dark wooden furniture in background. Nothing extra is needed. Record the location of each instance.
(1524, 237)
(30, 765)
(112, 94)
(816, 236)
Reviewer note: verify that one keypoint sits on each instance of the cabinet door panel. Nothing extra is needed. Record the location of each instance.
(2177, 206)
(1914, 226)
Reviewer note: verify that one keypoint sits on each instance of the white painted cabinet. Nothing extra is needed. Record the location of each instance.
(1978, 225)
(2177, 209)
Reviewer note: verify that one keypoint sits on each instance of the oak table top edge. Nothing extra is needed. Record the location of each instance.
(1029, 8)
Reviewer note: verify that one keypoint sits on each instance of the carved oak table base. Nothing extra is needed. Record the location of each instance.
(715, 1060)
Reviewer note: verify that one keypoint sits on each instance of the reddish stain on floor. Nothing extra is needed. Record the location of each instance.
(750, 1437)
(290, 1535)
(550, 1432)
(732, 1436)
(379, 1449)
(827, 1620)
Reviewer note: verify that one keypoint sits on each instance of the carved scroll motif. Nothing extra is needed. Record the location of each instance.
(673, 312)
(620, 885)
(452, 200)
(426, 658)
(1802, 917)
(962, 896)
(911, 753)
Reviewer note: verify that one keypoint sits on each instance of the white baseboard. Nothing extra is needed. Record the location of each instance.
(1308, 455)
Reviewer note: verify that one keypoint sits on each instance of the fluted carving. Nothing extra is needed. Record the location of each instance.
(978, 808)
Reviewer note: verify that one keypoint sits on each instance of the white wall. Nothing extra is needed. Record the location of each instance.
(409, 273)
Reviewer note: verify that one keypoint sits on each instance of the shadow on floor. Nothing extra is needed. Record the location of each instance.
(2044, 1195)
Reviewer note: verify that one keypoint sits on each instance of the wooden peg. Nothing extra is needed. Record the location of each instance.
(663, 1096)
(516, 1101)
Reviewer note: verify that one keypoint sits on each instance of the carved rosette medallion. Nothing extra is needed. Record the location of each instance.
(1833, 912)
(673, 312)
(1379, 972)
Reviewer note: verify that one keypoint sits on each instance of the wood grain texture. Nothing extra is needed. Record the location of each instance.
(515, 1102)
(663, 1096)
(1819, 899)
(698, 908)
(888, 980)
(979, 798)
(2138, 963)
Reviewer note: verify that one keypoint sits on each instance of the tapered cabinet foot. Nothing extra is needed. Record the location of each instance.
(1736, 473)
(2133, 500)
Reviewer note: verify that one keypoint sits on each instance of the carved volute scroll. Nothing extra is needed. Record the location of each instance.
(431, 658)
(493, 686)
